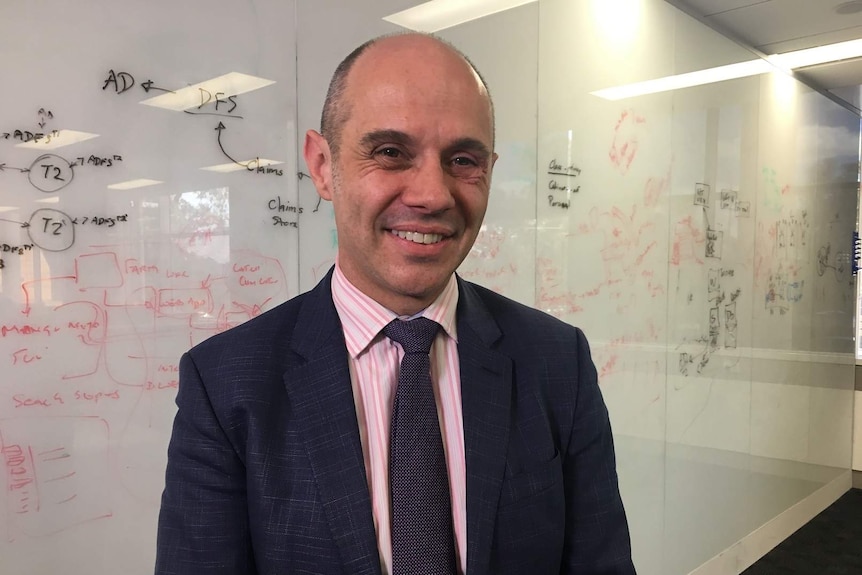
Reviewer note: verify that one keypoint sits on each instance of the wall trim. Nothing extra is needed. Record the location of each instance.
(742, 554)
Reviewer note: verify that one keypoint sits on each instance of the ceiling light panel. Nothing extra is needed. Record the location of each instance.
(698, 78)
(249, 165)
(819, 55)
(232, 84)
(132, 184)
(437, 15)
(58, 139)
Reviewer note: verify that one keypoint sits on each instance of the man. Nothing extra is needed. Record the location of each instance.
(280, 457)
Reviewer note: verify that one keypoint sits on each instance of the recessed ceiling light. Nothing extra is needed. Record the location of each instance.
(852, 7)
(132, 184)
(249, 165)
(785, 62)
(698, 78)
(436, 15)
(58, 139)
(232, 84)
(819, 55)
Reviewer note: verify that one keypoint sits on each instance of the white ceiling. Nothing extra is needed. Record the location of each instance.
(776, 26)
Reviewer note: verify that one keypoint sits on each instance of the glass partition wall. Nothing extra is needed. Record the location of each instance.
(702, 238)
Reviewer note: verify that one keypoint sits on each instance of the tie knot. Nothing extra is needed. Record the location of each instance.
(415, 336)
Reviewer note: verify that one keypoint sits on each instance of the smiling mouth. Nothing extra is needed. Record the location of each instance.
(418, 237)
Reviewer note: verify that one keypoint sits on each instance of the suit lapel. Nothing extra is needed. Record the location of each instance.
(486, 396)
(318, 384)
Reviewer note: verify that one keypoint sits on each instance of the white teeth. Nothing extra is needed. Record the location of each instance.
(418, 237)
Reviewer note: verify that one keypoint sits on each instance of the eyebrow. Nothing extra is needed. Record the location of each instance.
(378, 137)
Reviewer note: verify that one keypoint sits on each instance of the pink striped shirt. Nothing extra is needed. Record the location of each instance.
(374, 361)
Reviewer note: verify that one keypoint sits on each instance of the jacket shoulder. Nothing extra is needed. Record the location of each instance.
(266, 326)
(515, 318)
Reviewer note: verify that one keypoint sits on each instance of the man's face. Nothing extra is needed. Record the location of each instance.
(410, 182)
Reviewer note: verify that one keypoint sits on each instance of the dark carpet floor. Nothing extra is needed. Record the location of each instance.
(829, 544)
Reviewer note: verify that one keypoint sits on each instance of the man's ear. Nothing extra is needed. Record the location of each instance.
(318, 158)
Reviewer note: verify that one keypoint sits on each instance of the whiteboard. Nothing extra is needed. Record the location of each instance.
(104, 284)
(152, 195)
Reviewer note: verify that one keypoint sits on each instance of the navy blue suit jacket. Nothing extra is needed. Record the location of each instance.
(265, 470)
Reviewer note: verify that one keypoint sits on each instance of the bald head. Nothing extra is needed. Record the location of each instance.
(412, 49)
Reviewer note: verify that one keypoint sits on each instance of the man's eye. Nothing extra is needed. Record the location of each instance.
(389, 152)
(392, 157)
(464, 161)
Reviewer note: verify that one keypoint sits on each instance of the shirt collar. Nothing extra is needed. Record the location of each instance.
(362, 318)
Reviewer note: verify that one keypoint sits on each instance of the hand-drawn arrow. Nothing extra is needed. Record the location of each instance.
(5, 167)
(207, 283)
(148, 85)
(22, 224)
(219, 129)
(43, 115)
(301, 175)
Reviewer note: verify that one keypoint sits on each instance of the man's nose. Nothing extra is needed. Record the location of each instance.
(431, 188)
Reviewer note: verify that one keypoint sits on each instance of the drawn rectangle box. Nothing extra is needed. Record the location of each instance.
(714, 240)
(56, 473)
(730, 325)
(728, 199)
(100, 270)
(701, 195)
(714, 321)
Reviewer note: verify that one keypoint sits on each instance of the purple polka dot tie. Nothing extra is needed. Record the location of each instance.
(422, 539)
